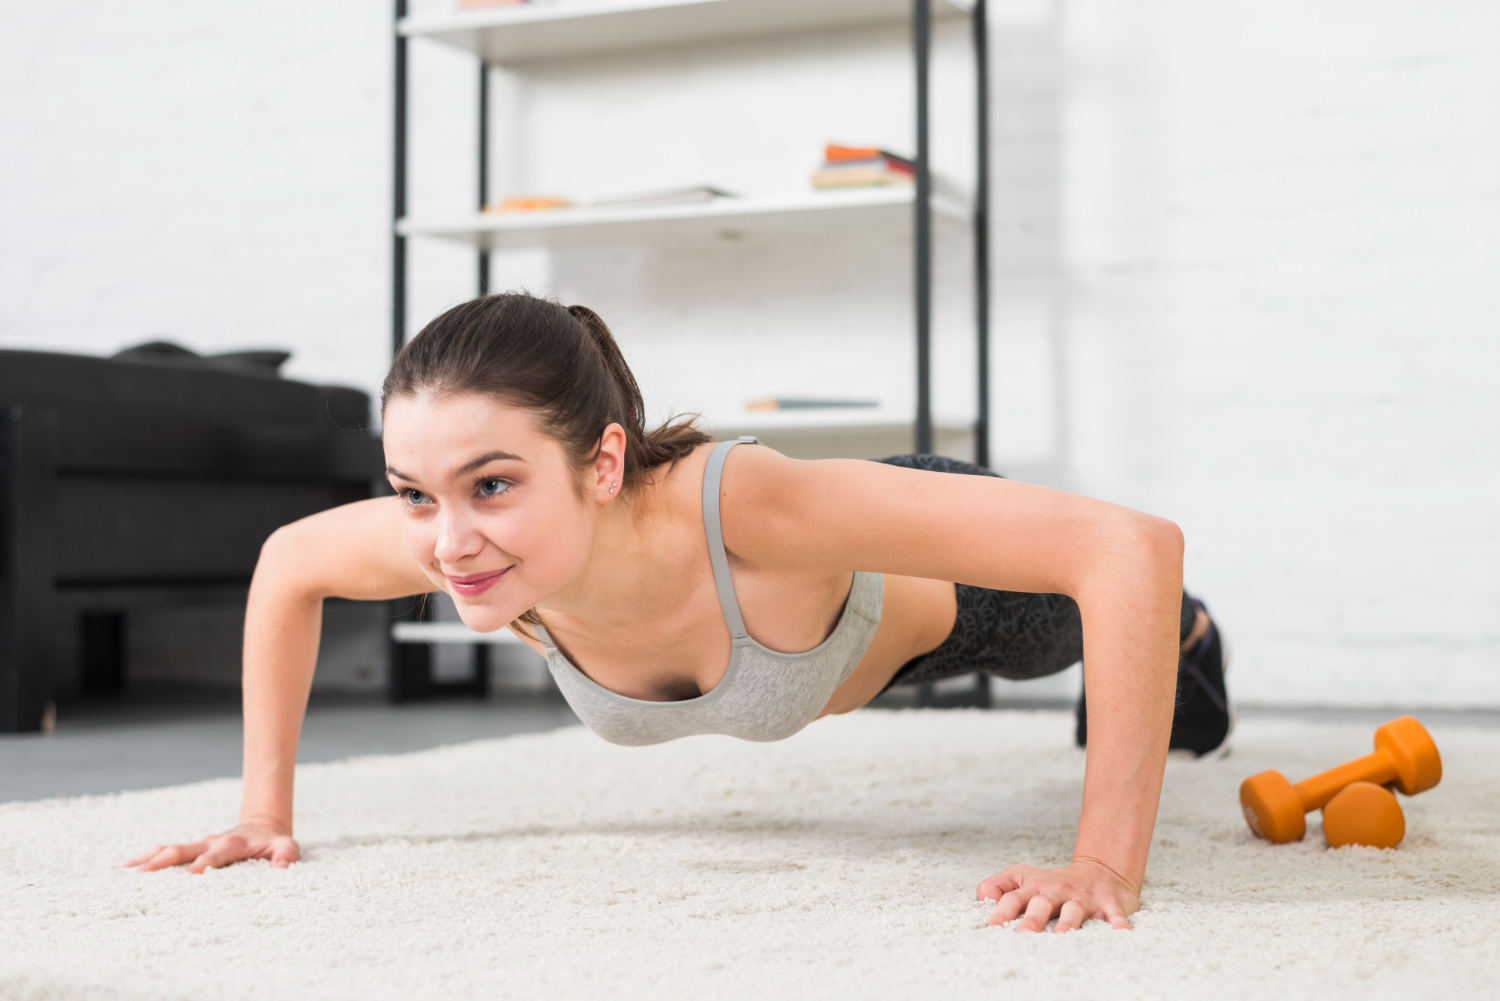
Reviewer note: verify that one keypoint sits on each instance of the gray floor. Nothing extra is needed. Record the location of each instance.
(169, 735)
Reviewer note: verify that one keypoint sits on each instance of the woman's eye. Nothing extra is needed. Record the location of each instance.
(415, 497)
(492, 487)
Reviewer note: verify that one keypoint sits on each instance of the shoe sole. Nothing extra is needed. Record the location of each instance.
(1222, 751)
(1225, 657)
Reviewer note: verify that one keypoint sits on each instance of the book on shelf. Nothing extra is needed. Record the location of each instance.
(833, 153)
(807, 403)
(862, 167)
(530, 203)
(674, 196)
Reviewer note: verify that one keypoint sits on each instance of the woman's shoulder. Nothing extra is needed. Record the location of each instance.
(761, 473)
(758, 486)
(751, 476)
(768, 501)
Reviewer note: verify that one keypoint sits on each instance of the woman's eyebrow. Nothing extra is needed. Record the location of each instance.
(486, 457)
(467, 468)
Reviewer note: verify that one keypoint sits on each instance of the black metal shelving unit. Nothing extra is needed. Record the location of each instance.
(921, 20)
(922, 230)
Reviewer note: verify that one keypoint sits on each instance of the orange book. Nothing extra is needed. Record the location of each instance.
(530, 203)
(839, 154)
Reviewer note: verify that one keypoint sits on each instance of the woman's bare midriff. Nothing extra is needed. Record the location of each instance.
(917, 616)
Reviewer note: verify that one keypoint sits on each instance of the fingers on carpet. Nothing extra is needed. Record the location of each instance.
(1071, 916)
(1038, 913)
(173, 855)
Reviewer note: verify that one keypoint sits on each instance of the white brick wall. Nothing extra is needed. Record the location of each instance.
(1280, 227)
(1244, 258)
(214, 172)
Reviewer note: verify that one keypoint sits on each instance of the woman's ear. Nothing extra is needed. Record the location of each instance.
(609, 466)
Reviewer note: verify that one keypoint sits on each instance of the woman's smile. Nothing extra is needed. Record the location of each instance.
(474, 584)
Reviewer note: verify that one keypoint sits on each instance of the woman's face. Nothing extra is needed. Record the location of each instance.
(490, 507)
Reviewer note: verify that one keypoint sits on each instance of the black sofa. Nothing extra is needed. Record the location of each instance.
(152, 477)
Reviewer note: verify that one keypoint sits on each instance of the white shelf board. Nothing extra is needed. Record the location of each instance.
(529, 33)
(829, 434)
(726, 218)
(449, 632)
(825, 421)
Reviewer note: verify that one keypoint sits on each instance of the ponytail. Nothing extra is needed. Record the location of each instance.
(560, 362)
(643, 449)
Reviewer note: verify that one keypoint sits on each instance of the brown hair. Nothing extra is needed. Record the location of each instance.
(560, 362)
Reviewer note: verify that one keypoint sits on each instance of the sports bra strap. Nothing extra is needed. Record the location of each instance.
(541, 633)
(712, 473)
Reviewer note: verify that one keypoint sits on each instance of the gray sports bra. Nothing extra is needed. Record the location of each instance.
(765, 695)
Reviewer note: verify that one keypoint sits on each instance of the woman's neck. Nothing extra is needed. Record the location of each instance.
(634, 570)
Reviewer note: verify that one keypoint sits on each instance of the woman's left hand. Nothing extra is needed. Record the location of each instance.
(1074, 893)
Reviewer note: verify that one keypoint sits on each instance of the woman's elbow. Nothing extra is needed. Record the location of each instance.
(278, 548)
(283, 559)
(1166, 539)
(1157, 545)
(1139, 543)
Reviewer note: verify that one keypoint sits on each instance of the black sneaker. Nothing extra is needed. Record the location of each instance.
(1203, 716)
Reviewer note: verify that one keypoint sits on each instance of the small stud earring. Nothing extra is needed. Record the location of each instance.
(612, 487)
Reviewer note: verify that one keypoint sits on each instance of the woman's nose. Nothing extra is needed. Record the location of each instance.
(457, 540)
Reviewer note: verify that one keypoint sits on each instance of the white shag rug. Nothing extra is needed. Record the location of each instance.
(838, 864)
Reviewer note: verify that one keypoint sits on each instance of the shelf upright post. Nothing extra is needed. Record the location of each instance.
(484, 166)
(396, 657)
(921, 31)
(980, 26)
(398, 179)
(481, 652)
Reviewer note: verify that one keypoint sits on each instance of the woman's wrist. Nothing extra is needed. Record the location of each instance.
(1089, 861)
(266, 820)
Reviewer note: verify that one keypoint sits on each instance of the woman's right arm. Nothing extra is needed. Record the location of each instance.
(353, 551)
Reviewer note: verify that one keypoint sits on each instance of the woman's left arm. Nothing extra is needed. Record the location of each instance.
(1123, 568)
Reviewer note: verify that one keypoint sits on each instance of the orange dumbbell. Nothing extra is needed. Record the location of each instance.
(1364, 813)
(1404, 755)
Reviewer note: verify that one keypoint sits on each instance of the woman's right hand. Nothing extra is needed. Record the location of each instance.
(248, 840)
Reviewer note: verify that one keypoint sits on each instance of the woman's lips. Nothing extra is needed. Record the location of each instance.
(474, 584)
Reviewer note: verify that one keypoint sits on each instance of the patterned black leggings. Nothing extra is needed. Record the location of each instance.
(1013, 634)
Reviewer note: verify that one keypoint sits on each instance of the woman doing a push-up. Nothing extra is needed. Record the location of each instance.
(679, 587)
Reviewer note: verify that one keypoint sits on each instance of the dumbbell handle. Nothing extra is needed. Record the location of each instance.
(1315, 792)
